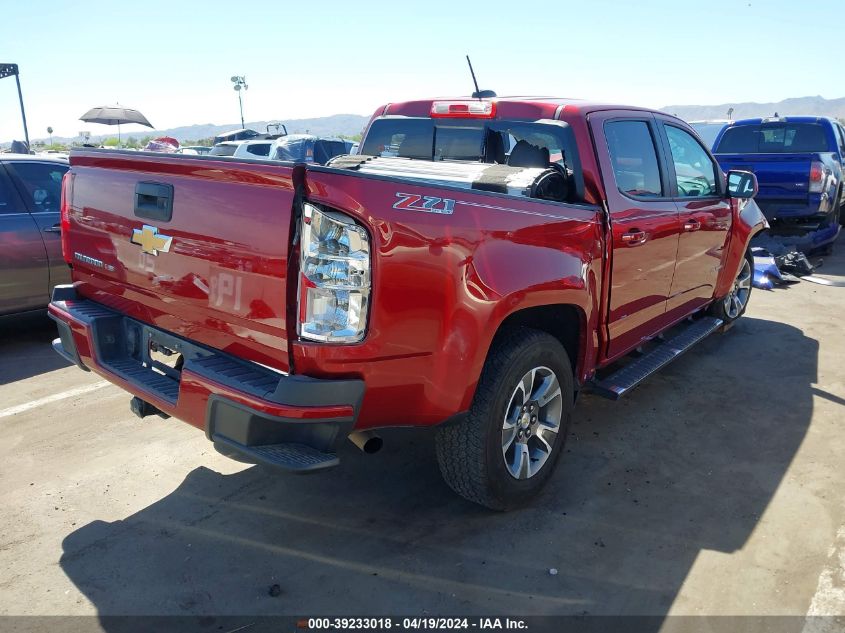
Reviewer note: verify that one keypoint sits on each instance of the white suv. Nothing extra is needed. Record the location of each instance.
(253, 149)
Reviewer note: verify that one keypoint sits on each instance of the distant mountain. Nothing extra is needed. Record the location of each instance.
(810, 106)
(351, 124)
(346, 124)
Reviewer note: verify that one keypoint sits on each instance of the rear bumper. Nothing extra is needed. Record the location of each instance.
(244, 408)
(812, 208)
(808, 223)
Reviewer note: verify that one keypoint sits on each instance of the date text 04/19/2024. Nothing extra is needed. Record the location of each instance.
(412, 624)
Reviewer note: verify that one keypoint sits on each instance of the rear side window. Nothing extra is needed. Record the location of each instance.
(42, 183)
(8, 200)
(634, 158)
(774, 138)
(259, 149)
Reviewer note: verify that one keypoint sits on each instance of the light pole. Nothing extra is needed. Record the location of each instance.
(8, 70)
(239, 82)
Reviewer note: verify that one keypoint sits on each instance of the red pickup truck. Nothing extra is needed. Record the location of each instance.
(480, 263)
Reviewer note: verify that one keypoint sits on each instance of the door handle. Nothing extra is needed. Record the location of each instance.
(56, 228)
(692, 225)
(154, 201)
(634, 237)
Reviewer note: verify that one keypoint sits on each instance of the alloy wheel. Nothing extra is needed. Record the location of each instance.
(531, 423)
(738, 296)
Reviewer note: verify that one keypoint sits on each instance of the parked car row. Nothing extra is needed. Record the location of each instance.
(305, 148)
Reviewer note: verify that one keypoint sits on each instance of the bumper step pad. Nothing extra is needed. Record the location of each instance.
(621, 382)
(291, 457)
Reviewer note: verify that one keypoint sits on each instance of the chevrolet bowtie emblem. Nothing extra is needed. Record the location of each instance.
(150, 240)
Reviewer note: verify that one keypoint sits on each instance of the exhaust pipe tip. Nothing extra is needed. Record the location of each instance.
(367, 441)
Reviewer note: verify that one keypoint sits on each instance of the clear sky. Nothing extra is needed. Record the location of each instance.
(172, 59)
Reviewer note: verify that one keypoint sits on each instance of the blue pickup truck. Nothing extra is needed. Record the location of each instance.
(799, 163)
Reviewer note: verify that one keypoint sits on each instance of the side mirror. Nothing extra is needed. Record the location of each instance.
(742, 184)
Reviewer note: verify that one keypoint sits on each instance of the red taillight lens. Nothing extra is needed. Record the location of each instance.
(818, 176)
(463, 109)
(64, 209)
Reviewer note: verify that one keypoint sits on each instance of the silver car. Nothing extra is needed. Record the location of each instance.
(31, 261)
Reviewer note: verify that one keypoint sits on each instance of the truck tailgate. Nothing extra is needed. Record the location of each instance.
(783, 176)
(215, 272)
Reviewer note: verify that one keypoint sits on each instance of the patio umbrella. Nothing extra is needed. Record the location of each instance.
(114, 115)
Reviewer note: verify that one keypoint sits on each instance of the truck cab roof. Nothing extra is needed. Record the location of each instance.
(511, 107)
(781, 119)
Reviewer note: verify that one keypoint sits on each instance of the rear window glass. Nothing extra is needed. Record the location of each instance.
(515, 143)
(774, 138)
(223, 150)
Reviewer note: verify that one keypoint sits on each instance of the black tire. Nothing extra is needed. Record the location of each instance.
(471, 454)
(720, 308)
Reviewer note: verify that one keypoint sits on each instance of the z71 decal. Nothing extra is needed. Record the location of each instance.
(428, 204)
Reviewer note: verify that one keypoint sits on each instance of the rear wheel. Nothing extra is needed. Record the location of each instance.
(732, 306)
(506, 448)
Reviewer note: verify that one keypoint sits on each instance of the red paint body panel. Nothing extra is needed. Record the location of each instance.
(748, 220)
(224, 281)
(441, 284)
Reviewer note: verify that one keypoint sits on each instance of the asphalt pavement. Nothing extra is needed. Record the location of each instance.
(715, 488)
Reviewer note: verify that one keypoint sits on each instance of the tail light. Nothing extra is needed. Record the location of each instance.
(64, 209)
(463, 109)
(334, 277)
(818, 176)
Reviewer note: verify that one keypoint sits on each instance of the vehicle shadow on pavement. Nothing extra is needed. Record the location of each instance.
(19, 336)
(687, 462)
